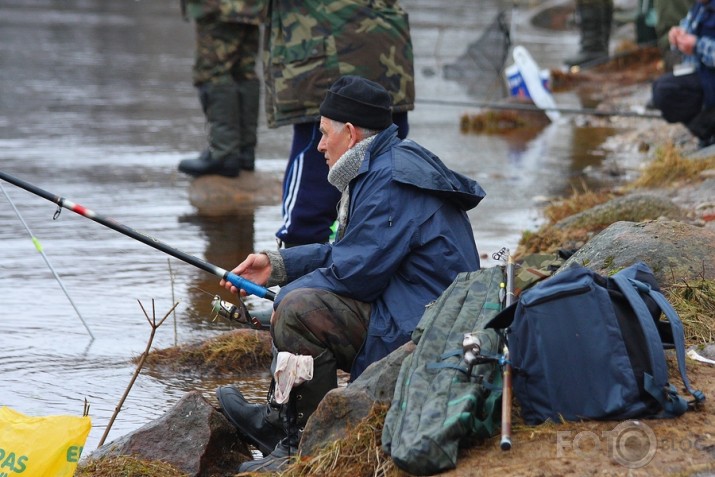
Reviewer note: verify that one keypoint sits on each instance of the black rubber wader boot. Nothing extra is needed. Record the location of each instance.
(261, 425)
(702, 126)
(248, 92)
(595, 27)
(303, 401)
(222, 111)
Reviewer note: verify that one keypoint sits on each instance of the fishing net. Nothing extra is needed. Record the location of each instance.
(480, 68)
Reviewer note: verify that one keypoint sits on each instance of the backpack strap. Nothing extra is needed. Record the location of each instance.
(443, 363)
(678, 335)
(672, 403)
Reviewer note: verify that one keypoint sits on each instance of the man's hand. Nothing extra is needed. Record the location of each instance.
(681, 40)
(673, 35)
(255, 268)
(686, 43)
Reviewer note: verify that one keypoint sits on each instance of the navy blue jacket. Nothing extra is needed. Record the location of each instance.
(407, 238)
(700, 21)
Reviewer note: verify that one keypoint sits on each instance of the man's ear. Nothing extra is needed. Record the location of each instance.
(354, 134)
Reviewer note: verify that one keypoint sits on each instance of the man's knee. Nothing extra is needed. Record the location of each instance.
(297, 313)
(679, 98)
(308, 317)
(298, 302)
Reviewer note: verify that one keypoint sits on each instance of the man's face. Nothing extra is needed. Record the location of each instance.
(335, 141)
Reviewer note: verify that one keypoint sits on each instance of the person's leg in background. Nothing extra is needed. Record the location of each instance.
(248, 87)
(309, 200)
(595, 25)
(220, 62)
(702, 126)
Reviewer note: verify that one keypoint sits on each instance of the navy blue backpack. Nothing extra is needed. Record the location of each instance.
(585, 346)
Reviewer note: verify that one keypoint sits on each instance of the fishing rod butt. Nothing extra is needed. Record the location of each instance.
(505, 444)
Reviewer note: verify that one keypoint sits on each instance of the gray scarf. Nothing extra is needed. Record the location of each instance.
(343, 171)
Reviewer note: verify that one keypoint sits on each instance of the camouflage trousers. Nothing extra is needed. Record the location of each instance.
(309, 321)
(225, 52)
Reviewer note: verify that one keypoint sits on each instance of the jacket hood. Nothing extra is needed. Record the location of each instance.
(416, 166)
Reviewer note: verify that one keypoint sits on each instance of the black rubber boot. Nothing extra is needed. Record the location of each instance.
(702, 126)
(595, 31)
(303, 401)
(229, 166)
(248, 92)
(222, 109)
(261, 425)
(280, 458)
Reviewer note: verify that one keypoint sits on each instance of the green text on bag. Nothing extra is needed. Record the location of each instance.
(45, 446)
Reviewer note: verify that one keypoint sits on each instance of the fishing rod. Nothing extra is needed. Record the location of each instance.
(505, 443)
(529, 107)
(235, 280)
(38, 247)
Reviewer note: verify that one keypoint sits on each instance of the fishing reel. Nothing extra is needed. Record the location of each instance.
(233, 312)
(472, 349)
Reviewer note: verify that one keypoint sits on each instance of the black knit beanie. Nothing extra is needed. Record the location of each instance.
(356, 100)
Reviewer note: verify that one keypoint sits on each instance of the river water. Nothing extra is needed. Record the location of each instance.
(97, 106)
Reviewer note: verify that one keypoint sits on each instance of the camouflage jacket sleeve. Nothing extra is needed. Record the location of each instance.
(229, 11)
(311, 43)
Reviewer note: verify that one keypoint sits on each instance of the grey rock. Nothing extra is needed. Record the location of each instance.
(633, 208)
(192, 436)
(675, 251)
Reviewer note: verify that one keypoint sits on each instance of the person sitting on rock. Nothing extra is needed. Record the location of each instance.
(403, 236)
(687, 94)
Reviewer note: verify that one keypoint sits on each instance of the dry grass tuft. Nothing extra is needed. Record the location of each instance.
(632, 58)
(236, 352)
(669, 168)
(358, 455)
(577, 202)
(695, 304)
(549, 239)
(492, 122)
(127, 466)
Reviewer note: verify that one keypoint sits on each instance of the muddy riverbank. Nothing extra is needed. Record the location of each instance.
(682, 446)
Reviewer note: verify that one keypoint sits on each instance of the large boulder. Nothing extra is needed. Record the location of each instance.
(635, 207)
(192, 436)
(675, 251)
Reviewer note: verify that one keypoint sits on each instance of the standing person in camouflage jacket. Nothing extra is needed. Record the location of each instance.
(308, 45)
(227, 45)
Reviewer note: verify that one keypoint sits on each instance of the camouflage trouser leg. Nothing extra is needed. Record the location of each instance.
(309, 321)
(225, 52)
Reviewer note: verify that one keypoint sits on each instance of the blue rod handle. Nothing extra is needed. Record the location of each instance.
(249, 286)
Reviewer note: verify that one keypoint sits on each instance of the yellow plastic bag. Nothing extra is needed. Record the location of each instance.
(46, 446)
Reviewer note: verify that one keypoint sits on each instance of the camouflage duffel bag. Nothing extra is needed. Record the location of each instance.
(440, 402)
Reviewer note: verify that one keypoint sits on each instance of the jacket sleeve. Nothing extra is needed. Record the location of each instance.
(377, 240)
(705, 51)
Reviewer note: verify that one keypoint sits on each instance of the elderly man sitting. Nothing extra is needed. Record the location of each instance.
(403, 237)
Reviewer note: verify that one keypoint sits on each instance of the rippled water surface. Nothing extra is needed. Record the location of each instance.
(97, 106)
